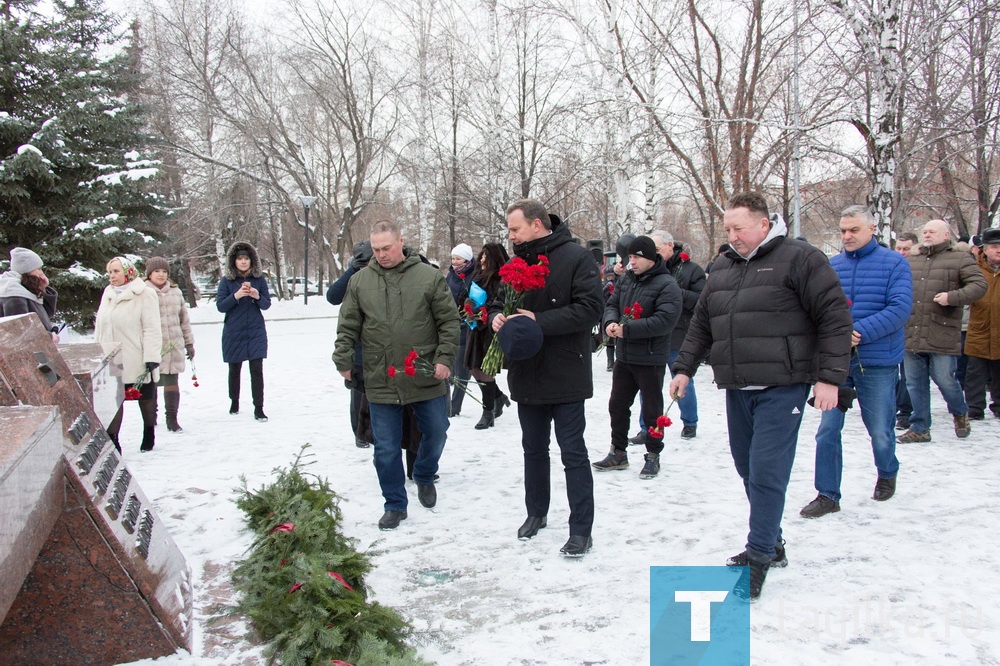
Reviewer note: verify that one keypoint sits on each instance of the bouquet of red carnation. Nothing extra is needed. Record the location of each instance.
(518, 278)
(414, 363)
(473, 317)
(194, 375)
(134, 392)
(656, 431)
(633, 311)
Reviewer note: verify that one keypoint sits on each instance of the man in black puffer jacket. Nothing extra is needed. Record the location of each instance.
(551, 386)
(772, 320)
(642, 344)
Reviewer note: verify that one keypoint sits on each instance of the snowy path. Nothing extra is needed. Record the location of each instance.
(910, 580)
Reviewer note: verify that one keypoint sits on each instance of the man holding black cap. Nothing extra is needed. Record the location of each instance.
(642, 345)
(982, 343)
(550, 386)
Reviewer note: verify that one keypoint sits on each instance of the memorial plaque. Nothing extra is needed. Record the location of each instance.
(97, 482)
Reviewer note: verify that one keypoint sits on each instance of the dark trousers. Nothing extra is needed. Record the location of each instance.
(903, 405)
(763, 432)
(570, 422)
(627, 380)
(980, 373)
(256, 382)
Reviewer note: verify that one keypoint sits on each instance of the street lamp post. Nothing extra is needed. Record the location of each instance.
(306, 203)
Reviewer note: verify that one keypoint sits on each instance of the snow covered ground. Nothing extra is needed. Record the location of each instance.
(912, 580)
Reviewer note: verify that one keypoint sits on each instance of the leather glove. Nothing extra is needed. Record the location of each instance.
(152, 366)
(190, 351)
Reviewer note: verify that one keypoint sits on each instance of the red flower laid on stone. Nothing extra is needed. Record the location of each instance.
(283, 527)
(340, 578)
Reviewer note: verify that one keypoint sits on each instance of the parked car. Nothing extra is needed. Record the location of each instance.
(299, 285)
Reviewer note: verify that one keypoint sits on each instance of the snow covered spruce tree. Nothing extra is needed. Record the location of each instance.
(73, 168)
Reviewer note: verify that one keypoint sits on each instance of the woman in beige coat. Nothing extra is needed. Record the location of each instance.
(129, 314)
(177, 336)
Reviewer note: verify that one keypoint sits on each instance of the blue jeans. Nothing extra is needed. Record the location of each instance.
(876, 387)
(387, 428)
(688, 404)
(940, 368)
(763, 431)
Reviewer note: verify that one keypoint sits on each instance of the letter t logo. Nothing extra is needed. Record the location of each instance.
(701, 610)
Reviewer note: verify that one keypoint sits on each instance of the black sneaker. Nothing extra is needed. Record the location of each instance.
(614, 460)
(640, 438)
(780, 560)
(652, 466)
(977, 416)
(689, 432)
(758, 573)
(361, 444)
(819, 507)
(259, 415)
(234, 407)
(390, 520)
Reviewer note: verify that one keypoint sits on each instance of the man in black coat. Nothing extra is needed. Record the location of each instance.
(642, 344)
(691, 279)
(551, 386)
(772, 320)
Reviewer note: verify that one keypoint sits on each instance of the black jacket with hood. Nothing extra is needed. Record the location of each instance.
(566, 309)
(775, 318)
(647, 338)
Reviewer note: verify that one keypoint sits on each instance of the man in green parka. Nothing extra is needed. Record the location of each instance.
(396, 306)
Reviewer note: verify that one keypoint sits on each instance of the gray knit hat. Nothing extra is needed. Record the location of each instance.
(23, 260)
(157, 264)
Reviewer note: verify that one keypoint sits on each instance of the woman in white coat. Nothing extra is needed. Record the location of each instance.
(177, 337)
(129, 314)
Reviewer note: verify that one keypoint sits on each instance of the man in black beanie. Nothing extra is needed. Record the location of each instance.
(640, 316)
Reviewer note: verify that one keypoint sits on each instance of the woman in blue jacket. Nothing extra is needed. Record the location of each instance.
(242, 296)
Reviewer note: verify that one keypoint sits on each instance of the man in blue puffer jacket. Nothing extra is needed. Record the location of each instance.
(879, 288)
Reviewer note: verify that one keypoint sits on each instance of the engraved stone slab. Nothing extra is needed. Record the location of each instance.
(33, 372)
(31, 485)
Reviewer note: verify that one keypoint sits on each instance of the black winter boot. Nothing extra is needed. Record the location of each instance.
(171, 400)
(489, 403)
(148, 438)
(499, 401)
(234, 387)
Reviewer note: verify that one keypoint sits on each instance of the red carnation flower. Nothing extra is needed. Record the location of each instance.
(636, 310)
(655, 432)
(294, 588)
(391, 371)
(132, 393)
(685, 256)
(611, 288)
(283, 527)
(663, 422)
(410, 371)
